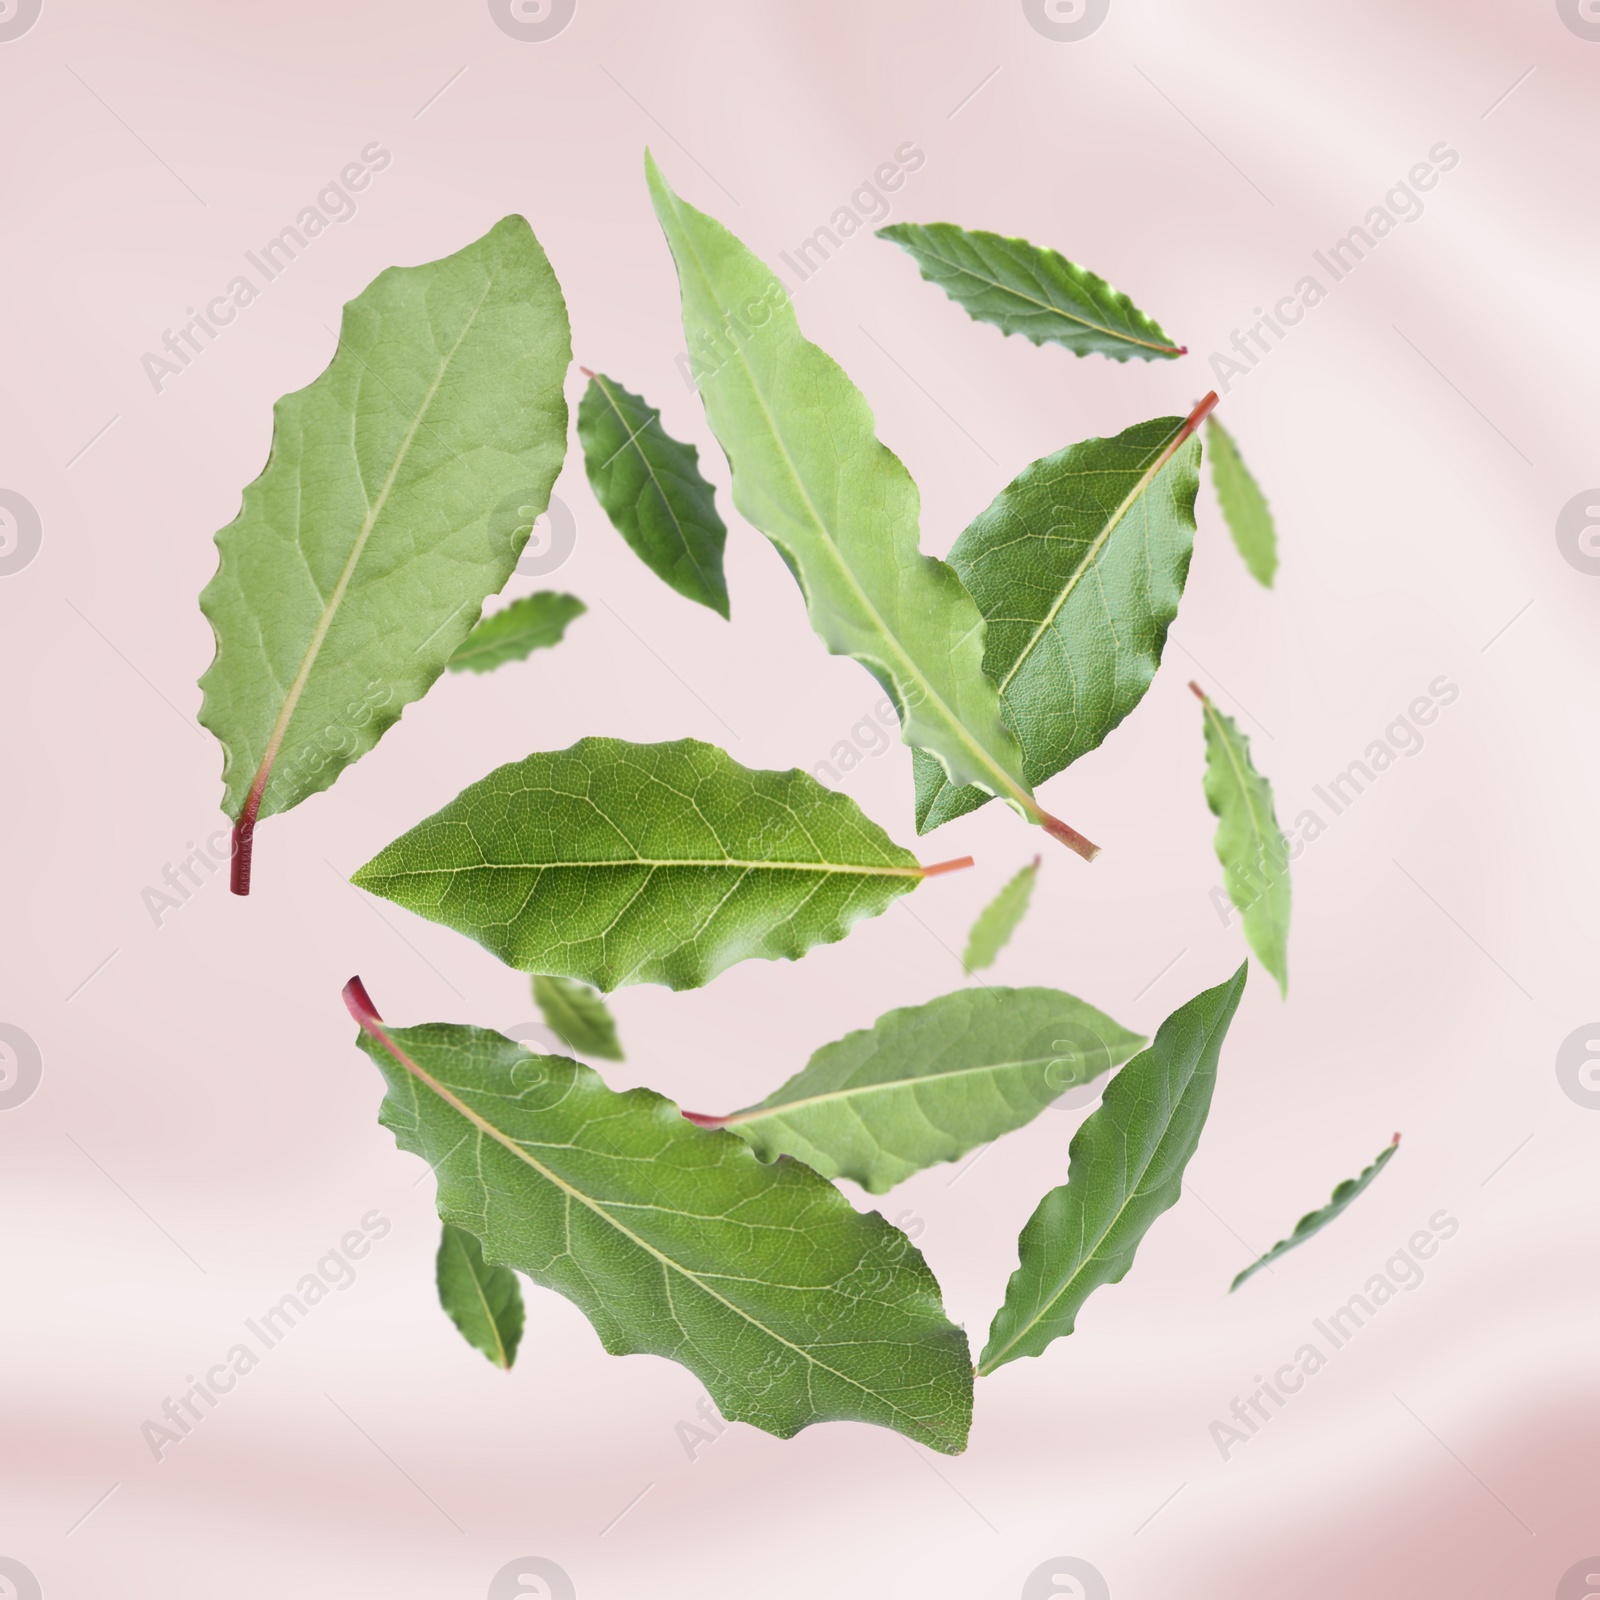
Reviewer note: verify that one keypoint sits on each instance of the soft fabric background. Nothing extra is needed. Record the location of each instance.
(204, 1131)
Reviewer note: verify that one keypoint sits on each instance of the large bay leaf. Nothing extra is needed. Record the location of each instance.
(1023, 288)
(651, 487)
(618, 863)
(1250, 844)
(810, 473)
(787, 1303)
(1125, 1167)
(484, 1302)
(929, 1083)
(401, 487)
(1077, 566)
(1344, 1196)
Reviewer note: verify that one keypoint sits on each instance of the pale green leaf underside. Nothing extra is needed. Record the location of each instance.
(577, 1016)
(617, 863)
(535, 622)
(1125, 1167)
(1077, 566)
(1315, 1221)
(789, 1305)
(998, 920)
(810, 473)
(1244, 507)
(1022, 288)
(1250, 844)
(484, 1302)
(650, 486)
(400, 489)
(928, 1083)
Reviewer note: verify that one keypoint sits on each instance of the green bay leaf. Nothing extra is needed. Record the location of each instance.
(513, 633)
(1244, 507)
(650, 486)
(787, 1303)
(928, 1083)
(1077, 566)
(577, 1015)
(998, 920)
(1344, 1196)
(484, 1302)
(1125, 1167)
(1250, 844)
(1023, 288)
(616, 863)
(810, 473)
(400, 490)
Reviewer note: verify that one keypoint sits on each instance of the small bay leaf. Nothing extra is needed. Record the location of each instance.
(1023, 288)
(577, 1015)
(1250, 844)
(513, 633)
(650, 486)
(484, 1302)
(1344, 1196)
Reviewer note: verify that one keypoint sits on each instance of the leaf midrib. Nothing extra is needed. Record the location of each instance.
(512, 638)
(483, 1299)
(842, 868)
(1092, 554)
(649, 467)
(1047, 305)
(985, 760)
(374, 511)
(784, 1108)
(919, 1425)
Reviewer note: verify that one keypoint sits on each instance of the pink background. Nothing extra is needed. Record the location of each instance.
(205, 1130)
